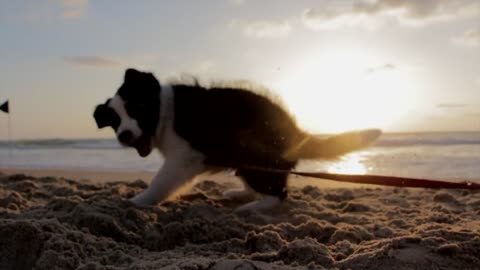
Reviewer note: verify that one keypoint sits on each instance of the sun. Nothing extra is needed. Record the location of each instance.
(342, 90)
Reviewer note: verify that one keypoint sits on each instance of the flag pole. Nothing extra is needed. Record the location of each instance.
(10, 137)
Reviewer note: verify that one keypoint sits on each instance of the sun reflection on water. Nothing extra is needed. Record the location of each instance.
(350, 164)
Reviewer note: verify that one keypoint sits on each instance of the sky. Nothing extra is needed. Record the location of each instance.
(401, 66)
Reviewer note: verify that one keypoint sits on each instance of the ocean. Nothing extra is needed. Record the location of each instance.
(446, 156)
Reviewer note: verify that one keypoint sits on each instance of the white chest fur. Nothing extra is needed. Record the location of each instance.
(182, 162)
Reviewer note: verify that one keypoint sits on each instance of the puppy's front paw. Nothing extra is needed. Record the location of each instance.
(137, 202)
(141, 200)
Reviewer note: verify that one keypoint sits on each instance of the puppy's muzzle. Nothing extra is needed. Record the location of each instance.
(125, 137)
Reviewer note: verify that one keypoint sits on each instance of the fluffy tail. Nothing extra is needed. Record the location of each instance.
(315, 148)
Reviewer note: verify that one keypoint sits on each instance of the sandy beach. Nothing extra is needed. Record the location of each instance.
(61, 220)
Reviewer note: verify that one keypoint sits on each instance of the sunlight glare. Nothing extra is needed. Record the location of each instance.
(343, 90)
(349, 164)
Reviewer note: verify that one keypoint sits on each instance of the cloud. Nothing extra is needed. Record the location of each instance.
(264, 29)
(92, 61)
(52, 11)
(73, 9)
(335, 17)
(469, 38)
(141, 60)
(414, 11)
(375, 13)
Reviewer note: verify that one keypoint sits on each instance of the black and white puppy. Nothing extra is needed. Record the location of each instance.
(201, 129)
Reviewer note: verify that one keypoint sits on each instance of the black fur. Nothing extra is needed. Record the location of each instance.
(106, 117)
(234, 125)
(238, 128)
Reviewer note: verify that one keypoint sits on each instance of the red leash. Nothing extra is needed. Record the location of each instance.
(380, 180)
(391, 180)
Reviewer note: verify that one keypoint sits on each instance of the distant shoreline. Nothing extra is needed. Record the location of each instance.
(5, 140)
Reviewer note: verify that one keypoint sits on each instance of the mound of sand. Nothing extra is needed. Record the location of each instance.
(57, 223)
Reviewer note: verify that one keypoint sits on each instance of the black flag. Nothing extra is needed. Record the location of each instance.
(4, 107)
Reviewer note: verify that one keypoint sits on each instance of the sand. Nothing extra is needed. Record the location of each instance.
(68, 223)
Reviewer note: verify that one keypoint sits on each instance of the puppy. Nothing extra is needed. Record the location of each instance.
(201, 129)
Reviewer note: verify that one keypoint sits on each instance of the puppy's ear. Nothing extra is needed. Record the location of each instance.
(132, 74)
(101, 116)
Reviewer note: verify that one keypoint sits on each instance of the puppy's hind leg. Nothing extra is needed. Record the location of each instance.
(271, 184)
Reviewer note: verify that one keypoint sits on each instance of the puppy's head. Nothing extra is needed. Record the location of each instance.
(133, 112)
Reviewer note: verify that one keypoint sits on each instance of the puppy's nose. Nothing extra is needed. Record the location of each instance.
(125, 136)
